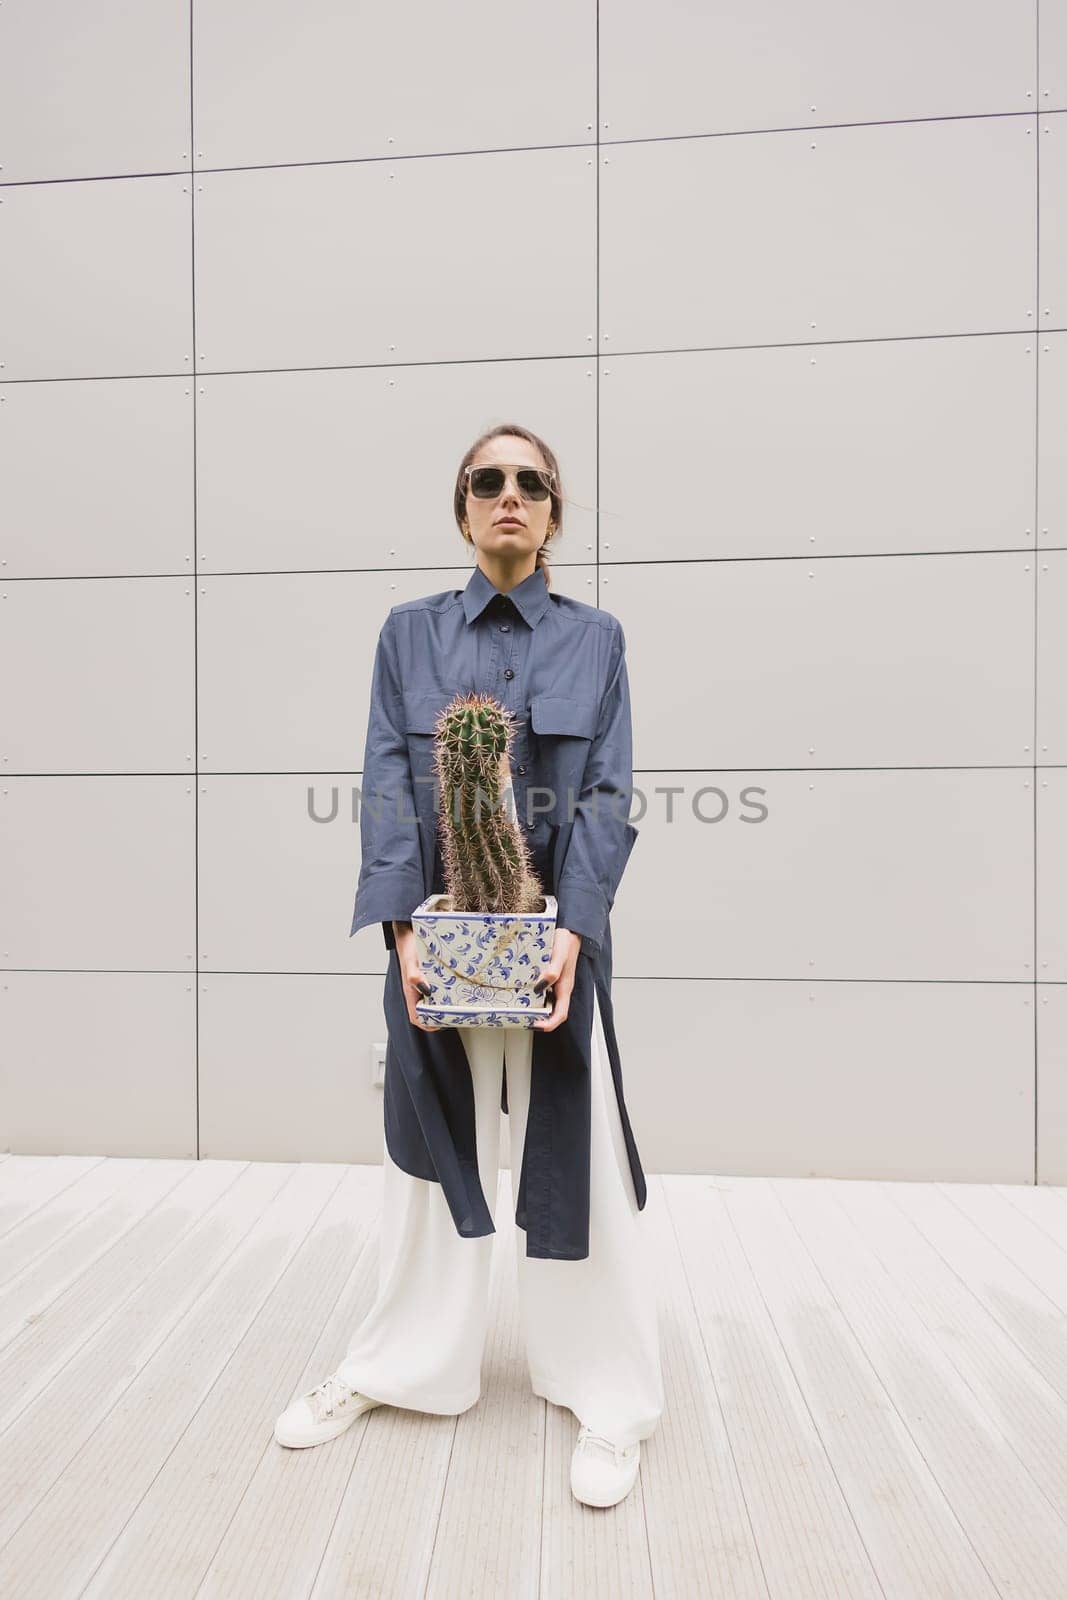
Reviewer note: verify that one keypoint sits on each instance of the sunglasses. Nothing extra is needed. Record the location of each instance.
(534, 483)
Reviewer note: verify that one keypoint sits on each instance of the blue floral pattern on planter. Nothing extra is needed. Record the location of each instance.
(481, 966)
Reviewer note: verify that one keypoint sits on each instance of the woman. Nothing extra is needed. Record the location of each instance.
(586, 1284)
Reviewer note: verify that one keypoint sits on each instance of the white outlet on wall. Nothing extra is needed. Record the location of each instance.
(377, 1065)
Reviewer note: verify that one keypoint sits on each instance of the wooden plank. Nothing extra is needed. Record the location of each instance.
(1012, 1529)
(1002, 1260)
(808, 1542)
(62, 1240)
(866, 1396)
(29, 1182)
(963, 1319)
(52, 1330)
(588, 1550)
(907, 1524)
(488, 1536)
(700, 1534)
(80, 1457)
(1025, 1229)
(230, 1509)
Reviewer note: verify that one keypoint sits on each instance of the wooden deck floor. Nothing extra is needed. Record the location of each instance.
(866, 1397)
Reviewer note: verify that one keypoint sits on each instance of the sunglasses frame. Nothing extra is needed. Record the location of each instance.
(515, 467)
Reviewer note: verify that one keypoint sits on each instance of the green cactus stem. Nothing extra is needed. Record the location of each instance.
(486, 860)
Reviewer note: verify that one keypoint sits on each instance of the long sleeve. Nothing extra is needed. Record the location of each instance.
(391, 873)
(602, 837)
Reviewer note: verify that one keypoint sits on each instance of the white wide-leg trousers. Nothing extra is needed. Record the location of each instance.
(591, 1327)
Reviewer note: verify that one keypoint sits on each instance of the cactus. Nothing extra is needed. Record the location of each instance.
(486, 861)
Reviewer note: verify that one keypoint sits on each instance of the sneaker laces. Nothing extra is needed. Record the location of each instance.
(333, 1391)
(617, 1452)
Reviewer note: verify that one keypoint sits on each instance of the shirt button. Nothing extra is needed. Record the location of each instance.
(530, 826)
(505, 627)
(520, 770)
(508, 672)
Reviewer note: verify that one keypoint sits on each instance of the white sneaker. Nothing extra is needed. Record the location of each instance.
(602, 1472)
(322, 1413)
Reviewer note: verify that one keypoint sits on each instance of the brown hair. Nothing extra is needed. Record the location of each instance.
(459, 502)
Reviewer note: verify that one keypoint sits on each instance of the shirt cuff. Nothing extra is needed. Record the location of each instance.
(583, 908)
(385, 903)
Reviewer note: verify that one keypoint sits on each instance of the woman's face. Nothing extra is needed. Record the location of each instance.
(489, 533)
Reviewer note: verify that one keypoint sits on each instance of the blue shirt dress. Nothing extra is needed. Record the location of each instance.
(559, 666)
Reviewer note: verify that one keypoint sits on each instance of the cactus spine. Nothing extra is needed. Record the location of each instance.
(486, 861)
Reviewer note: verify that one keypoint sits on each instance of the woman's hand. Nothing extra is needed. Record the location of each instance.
(415, 986)
(559, 975)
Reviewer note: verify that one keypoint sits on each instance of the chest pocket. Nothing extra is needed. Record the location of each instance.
(563, 728)
(422, 708)
(557, 714)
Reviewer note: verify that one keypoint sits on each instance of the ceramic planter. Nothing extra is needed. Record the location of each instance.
(482, 966)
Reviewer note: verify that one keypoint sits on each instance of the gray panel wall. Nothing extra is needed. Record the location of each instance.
(786, 288)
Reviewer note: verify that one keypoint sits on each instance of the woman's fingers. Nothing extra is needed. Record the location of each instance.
(557, 978)
(415, 986)
(415, 989)
(560, 996)
(550, 975)
(555, 983)
(557, 1015)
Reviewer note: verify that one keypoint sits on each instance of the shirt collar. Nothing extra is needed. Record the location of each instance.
(530, 596)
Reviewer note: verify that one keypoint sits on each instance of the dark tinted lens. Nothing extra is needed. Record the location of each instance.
(487, 482)
(531, 483)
